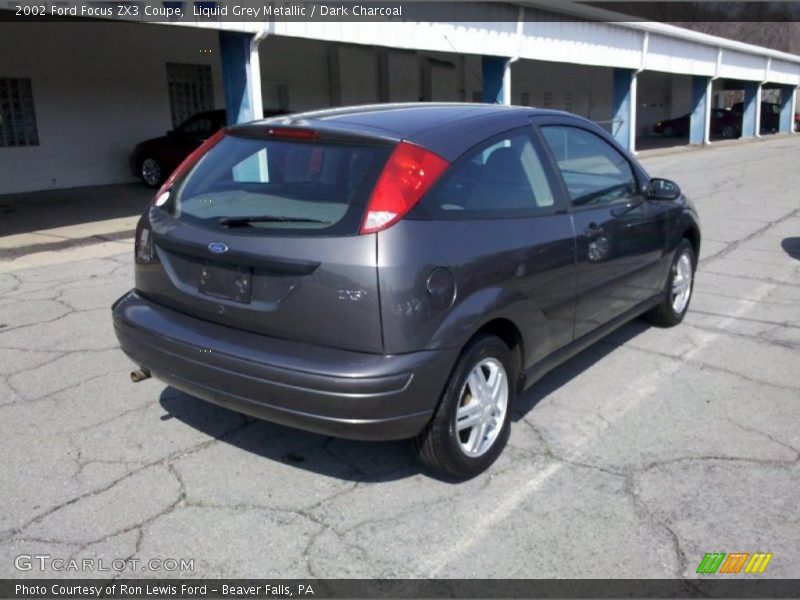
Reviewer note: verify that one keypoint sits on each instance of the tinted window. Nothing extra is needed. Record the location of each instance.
(204, 124)
(594, 172)
(503, 177)
(314, 186)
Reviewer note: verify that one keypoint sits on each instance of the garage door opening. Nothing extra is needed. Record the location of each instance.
(771, 103)
(663, 108)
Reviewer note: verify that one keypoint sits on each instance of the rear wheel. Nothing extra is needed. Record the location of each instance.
(669, 131)
(678, 291)
(151, 172)
(471, 425)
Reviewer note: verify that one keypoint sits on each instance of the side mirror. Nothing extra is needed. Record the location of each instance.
(663, 189)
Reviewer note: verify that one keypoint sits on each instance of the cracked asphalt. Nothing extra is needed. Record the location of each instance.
(634, 459)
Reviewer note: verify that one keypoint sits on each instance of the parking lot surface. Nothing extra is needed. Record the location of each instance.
(633, 459)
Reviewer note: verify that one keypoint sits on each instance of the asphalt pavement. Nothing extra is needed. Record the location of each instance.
(634, 459)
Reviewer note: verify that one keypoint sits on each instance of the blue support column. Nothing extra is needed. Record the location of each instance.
(787, 108)
(238, 78)
(698, 119)
(751, 109)
(494, 70)
(623, 126)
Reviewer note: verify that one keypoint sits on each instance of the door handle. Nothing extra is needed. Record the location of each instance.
(593, 230)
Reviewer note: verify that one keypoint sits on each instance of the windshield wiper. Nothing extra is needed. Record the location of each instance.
(244, 221)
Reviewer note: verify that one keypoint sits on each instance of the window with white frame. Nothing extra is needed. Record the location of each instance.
(17, 115)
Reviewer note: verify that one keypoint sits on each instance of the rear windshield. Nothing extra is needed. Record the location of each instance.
(280, 186)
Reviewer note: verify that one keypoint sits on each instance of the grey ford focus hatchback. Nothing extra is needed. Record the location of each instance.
(400, 271)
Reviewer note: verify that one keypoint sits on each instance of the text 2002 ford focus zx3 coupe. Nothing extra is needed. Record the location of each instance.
(399, 271)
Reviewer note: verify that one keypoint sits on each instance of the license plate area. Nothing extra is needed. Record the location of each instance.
(228, 282)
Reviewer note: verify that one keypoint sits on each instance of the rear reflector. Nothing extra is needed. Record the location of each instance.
(291, 133)
(188, 163)
(143, 245)
(409, 173)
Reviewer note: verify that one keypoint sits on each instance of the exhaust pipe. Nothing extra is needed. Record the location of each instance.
(140, 375)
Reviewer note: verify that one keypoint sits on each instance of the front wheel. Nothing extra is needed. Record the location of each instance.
(678, 289)
(471, 425)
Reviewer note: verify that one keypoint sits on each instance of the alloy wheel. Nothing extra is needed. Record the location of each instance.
(681, 283)
(482, 407)
(151, 172)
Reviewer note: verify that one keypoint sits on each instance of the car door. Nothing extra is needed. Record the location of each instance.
(620, 234)
(498, 221)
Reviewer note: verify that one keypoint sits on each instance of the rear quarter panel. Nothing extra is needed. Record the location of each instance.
(518, 269)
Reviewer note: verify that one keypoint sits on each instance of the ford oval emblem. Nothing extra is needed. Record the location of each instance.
(218, 247)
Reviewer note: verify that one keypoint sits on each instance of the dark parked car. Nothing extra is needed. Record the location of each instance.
(724, 124)
(770, 116)
(153, 160)
(401, 271)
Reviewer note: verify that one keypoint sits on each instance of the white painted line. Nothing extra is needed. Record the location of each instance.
(647, 385)
(57, 257)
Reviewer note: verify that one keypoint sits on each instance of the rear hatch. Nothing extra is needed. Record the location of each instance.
(262, 233)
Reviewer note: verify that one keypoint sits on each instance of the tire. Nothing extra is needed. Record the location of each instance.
(672, 309)
(669, 131)
(729, 132)
(458, 451)
(151, 172)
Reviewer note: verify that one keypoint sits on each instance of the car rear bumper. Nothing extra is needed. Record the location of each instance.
(334, 392)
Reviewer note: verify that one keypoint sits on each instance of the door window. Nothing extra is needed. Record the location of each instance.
(594, 172)
(503, 177)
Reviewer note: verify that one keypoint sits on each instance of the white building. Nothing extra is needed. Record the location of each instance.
(75, 97)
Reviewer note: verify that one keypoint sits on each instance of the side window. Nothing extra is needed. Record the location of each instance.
(594, 172)
(502, 177)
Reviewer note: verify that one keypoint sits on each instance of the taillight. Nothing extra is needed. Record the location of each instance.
(409, 173)
(162, 195)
